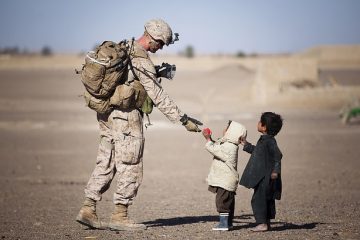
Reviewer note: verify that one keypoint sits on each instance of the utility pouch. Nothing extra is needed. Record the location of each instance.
(99, 105)
(147, 106)
(140, 93)
(129, 149)
(123, 97)
(105, 151)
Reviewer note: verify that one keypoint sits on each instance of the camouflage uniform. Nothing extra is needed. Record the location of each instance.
(122, 140)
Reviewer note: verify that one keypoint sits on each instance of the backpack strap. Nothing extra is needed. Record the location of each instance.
(130, 63)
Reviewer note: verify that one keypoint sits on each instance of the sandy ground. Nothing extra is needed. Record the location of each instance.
(49, 142)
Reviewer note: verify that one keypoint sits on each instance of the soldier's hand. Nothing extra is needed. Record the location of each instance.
(191, 124)
(192, 127)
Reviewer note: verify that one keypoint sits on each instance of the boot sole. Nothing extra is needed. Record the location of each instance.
(220, 229)
(88, 224)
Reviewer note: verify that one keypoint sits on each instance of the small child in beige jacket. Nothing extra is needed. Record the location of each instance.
(223, 177)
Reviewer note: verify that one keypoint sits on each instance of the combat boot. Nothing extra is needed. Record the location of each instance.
(223, 223)
(87, 215)
(120, 221)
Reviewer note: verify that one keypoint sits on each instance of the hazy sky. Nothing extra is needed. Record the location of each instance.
(226, 26)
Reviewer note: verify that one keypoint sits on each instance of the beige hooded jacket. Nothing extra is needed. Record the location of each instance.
(223, 171)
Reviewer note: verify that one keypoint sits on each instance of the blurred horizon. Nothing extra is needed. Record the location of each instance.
(229, 27)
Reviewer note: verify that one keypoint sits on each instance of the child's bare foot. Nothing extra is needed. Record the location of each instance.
(260, 228)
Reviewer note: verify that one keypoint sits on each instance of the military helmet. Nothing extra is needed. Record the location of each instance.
(159, 30)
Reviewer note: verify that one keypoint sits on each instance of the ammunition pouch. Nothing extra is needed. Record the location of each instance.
(130, 96)
(123, 97)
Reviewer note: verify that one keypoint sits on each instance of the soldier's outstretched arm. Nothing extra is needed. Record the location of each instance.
(145, 71)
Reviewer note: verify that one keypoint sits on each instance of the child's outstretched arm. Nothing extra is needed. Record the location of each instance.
(214, 149)
(248, 147)
(242, 140)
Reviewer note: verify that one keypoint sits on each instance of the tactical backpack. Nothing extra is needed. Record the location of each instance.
(104, 76)
(105, 68)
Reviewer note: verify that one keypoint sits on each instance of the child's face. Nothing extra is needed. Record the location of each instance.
(261, 128)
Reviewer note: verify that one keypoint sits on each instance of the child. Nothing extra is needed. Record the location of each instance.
(223, 177)
(262, 172)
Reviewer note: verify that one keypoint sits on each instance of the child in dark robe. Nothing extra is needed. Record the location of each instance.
(262, 172)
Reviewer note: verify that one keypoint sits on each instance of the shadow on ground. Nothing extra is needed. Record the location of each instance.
(181, 221)
(282, 226)
(276, 226)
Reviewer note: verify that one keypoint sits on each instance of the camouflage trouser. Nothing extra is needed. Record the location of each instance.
(120, 152)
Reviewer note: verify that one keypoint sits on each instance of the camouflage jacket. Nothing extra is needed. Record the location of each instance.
(144, 70)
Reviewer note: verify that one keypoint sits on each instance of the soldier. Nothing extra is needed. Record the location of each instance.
(121, 135)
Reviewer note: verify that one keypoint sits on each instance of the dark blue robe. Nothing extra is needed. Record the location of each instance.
(265, 158)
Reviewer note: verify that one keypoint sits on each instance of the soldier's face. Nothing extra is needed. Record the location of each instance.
(160, 44)
(155, 45)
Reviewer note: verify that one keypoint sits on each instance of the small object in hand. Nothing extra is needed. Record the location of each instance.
(207, 131)
(274, 175)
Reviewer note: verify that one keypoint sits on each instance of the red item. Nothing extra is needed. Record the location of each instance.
(207, 131)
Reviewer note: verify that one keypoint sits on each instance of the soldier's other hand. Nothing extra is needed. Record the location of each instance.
(191, 124)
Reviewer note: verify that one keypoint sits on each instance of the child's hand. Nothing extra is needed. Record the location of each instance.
(207, 133)
(274, 175)
(242, 139)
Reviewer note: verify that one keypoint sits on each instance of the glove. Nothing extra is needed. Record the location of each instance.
(190, 123)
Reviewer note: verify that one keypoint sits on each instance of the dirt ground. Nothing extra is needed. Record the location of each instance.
(48, 147)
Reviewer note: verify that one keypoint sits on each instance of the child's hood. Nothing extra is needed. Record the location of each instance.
(234, 132)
